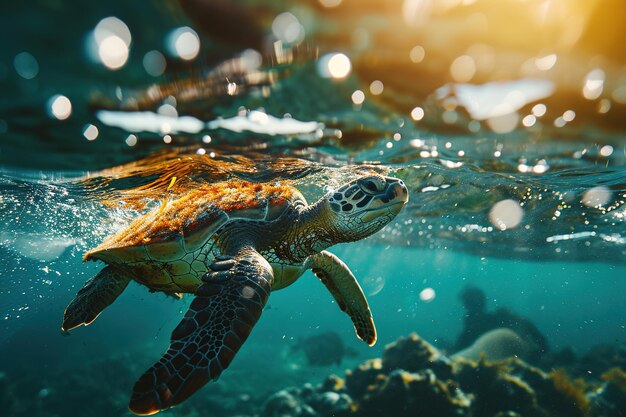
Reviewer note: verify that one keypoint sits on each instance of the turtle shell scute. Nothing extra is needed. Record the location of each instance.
(185, 223)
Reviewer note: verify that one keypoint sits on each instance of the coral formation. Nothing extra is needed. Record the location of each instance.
(415, 379)
(410, 394)
(414, 354)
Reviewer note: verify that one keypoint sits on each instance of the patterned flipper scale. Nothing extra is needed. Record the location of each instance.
(219, 320)
(97, 294)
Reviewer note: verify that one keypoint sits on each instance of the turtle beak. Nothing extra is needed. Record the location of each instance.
(396, 192)
(396, 196)
(390, 201)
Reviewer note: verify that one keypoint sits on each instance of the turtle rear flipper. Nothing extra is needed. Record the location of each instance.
(96, 295)
(219, 320)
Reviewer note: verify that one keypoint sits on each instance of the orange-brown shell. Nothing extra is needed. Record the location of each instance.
(194, 217)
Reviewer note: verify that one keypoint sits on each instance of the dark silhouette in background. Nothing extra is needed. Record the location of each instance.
(479, 321)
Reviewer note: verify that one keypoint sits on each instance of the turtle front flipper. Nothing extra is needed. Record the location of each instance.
(347, 292)
(96, 295)
(219, 320)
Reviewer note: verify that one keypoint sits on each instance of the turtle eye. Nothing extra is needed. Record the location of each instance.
(372, 185)
(369, 185)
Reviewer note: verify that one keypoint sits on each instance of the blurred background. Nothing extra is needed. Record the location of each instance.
(548, 67)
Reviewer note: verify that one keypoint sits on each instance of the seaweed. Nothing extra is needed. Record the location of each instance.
(617, 377)
(572, 390)
(494, 389)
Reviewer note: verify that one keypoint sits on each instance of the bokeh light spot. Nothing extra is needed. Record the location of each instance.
(539, 110)
(606, 150)
(529, 120)
(427, 295)
(377, 87)
(110, 43)
(335, 65)
(183, 43)
(358, 97)
(569, 115)
(373, 285)
(154, 63)
(546, 63)
(417, 54)
(131, 140)
(596, 196)
(417, 113)
(339, 66)
(60, 107)
(594, 84)
(113, 52)
(112, 26)
(90, 132)
(506, 214)
(167, 110)
(26, 65)
(463, 69)
(559, 122)
(287, 28)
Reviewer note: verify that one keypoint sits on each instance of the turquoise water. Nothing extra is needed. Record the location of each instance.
(531, 211)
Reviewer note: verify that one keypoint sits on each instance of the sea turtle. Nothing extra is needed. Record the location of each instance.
(230, 244)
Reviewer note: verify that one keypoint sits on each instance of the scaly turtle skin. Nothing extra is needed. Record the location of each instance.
(231, 244)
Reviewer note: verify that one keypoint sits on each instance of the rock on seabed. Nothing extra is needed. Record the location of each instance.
(415, 379)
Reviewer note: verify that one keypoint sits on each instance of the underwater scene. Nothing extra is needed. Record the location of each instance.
(313, 208)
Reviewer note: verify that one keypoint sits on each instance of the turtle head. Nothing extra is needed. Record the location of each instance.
(362, 207)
